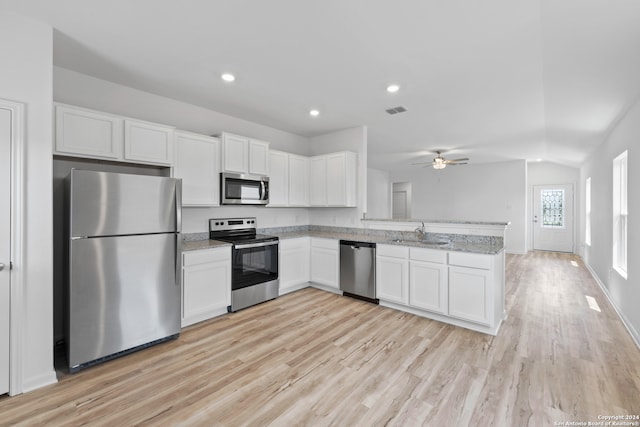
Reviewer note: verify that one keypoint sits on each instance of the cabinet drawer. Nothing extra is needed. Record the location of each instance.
(300, 243)
(392, 251)
(429, 255)
(318, 242)
(206, 255)
(470, 260)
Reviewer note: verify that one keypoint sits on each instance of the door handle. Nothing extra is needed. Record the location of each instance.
(1, 266)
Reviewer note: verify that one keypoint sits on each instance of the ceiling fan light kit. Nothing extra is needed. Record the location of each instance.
(439, 162)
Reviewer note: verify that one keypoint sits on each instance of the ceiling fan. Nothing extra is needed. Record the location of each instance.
(439, 162)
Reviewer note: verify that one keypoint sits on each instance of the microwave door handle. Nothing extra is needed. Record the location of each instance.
(263, 190)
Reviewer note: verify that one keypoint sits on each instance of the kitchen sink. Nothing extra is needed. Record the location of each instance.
(422, 242)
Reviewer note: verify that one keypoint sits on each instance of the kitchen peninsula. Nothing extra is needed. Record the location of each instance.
(452, 272)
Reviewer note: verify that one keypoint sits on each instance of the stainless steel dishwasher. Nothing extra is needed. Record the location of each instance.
(358, 270)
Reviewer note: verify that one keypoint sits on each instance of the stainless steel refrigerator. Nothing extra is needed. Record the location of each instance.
(124, 264)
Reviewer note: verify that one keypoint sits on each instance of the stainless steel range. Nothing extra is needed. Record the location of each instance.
(254, 260)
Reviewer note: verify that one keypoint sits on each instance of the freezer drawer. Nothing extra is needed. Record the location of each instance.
(123, 293)
(358, 269)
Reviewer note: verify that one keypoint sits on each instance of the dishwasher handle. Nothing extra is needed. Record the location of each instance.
(357, 245)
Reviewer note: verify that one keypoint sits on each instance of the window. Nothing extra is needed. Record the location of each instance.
(620, 214)
(587, 213)
(552, 208)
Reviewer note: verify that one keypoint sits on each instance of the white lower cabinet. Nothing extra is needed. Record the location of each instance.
(428, 280)
(428, 283)
(392, 273)
(294, 257)
(325, 262)
(470, 294)
(206, 284)
(455, 287)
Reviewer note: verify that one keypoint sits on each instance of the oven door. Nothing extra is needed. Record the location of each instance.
(242, 189)
(254, 263)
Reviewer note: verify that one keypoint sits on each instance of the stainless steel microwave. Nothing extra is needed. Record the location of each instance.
(243, 189)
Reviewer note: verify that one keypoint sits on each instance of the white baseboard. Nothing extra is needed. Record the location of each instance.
(294, 288)
(632, 331)
(325, 288)
(42, 380)
(516, 252)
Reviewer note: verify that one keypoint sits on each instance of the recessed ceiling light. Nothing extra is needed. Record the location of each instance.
(393, 88)
(314, 113)
(228, 77)
(538, 160)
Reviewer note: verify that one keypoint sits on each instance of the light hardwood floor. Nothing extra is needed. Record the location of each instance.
(315, 358)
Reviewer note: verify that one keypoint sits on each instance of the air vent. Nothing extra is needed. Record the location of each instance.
(396, 110)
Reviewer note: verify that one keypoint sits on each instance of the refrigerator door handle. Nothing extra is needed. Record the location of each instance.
(178, 265)
(179, 205)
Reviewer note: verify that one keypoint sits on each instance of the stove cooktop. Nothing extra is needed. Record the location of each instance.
(255, 238)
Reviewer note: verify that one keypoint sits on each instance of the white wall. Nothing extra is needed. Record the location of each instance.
(547, 173)
(78, 89)
(378, 194)
(482, 192)
(25, 76)
(352, 139)
(625, 294)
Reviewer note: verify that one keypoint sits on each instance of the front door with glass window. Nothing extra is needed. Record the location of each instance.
(553, 218)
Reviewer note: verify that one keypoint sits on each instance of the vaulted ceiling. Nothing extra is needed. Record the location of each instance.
(492, 80)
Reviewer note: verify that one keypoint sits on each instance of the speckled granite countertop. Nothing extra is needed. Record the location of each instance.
(438, 221)
(476, 244)
(194, 245)
(488, 245)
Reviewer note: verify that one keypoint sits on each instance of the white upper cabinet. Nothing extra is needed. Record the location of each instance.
(318, 178)
(235, 153)
(298, 180)
(333, 179)
(341, 179)
(288, 179)
(86, 133)
(258, 157)
(148, 142)
(197, 163)
(278, 178)
(244, 155)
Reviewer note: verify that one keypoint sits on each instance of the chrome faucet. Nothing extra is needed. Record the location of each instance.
(420, 231)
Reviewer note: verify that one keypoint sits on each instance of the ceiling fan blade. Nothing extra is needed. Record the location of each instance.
(464, 159)
(456, 164)
(423, 163)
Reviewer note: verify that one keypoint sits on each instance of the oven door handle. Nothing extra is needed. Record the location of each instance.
(255, 245)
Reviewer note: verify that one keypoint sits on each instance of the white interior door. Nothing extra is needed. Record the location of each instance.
(401, 200)
(399, 204)
(5, 244)
(553, 218)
